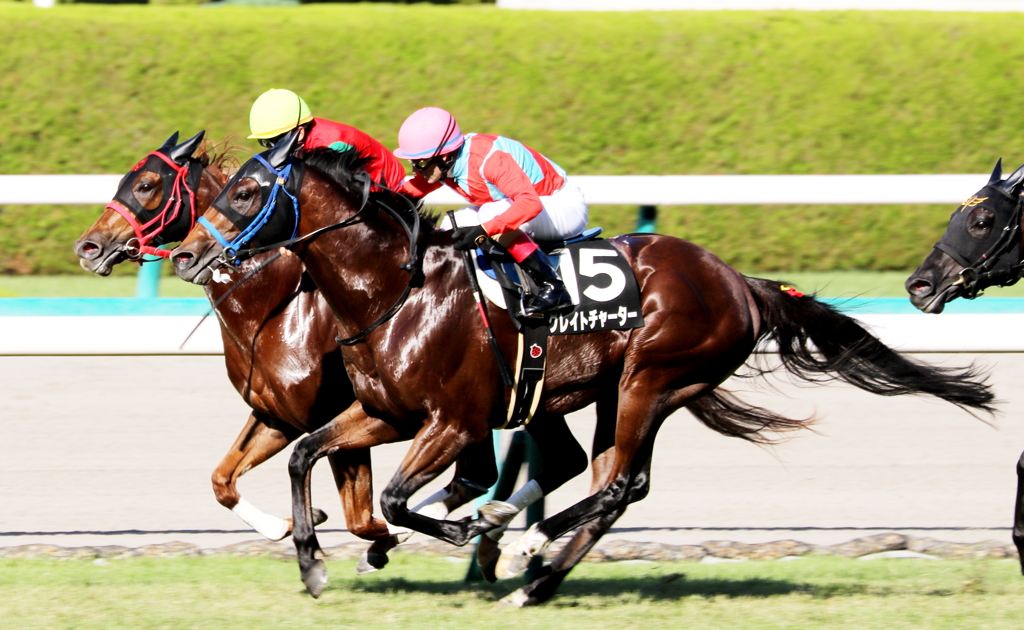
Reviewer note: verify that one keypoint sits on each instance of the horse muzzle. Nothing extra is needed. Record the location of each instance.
(194, 266)
(98, 255)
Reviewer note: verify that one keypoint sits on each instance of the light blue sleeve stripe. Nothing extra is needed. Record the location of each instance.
(522, 156)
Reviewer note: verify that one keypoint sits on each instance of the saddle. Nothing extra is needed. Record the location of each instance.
(612, 302)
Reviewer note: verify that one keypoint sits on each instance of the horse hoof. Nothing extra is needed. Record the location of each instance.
(315, 578)
(516, 599)
(498, 512)
(487, 554)
(516, 557)
(370, 562)
(319, 516)
(510, 566)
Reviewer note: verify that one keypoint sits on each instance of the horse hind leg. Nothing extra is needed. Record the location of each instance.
(552, 576)
(562, 459)
(260, 439)
(637, 418)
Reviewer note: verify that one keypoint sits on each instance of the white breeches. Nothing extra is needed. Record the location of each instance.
(565, 214)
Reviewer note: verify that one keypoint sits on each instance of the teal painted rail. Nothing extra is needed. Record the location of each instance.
(104, 307)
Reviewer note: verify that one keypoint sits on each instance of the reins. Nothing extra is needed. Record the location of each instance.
(232, 256)
(135, 250)
(249, 274)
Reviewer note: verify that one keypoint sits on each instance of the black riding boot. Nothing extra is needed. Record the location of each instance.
(551, 297)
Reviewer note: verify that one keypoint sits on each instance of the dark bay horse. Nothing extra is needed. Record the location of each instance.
(981, 248)
(421, 364)
(278, 335)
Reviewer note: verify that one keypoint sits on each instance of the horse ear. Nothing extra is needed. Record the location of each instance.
(278, 155)
(1012, 184)
(170, 142)
(997, 172)
(185, 150)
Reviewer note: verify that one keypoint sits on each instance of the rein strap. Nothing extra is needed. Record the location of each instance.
(180, 182)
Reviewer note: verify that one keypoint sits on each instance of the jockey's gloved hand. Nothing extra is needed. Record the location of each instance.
(467, 238)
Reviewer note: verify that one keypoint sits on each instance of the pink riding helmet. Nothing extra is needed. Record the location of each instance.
(427, 133)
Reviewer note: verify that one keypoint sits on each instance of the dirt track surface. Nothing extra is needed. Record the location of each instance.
(120, 449)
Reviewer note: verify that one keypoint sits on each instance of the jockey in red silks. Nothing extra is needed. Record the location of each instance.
(517, 192)
(276, 112)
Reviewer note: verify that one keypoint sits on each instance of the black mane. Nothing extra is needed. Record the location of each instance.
(340, 167)
(337, 166)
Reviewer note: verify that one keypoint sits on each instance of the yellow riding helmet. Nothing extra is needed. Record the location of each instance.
(276, 112)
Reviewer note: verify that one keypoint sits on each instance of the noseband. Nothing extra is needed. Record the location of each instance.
(139, 245)
(990, 268)
(231, 254)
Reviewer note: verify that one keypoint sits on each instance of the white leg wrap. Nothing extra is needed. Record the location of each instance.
(526, 496)
(507, 510)
(270, 527)
(433, 506)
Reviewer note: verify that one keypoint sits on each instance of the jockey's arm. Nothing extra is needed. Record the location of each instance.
(417, 187)
(506, 175)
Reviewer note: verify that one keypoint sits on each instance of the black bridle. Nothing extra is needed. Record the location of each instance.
(996, 261)
(180, 175)
(231, 257)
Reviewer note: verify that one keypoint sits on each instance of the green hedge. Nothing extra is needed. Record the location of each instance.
(89, 89)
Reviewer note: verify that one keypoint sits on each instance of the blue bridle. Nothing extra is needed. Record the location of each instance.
(231, 247)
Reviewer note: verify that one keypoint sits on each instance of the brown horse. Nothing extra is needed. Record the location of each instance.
(278, 335)
(423, 366)
(981, 248)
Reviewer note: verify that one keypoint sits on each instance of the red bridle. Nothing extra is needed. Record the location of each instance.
(167, 215)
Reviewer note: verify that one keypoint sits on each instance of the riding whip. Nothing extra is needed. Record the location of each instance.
(478, 295)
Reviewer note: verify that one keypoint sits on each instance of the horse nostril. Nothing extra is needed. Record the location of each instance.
(919, 287)
(89, 250)
(184, 260)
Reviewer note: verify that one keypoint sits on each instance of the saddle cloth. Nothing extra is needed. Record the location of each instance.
(601, 283)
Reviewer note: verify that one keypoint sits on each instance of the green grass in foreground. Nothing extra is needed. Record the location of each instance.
(428, 592)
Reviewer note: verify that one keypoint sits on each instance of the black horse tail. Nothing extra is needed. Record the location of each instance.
(843, 349)
(723, 412)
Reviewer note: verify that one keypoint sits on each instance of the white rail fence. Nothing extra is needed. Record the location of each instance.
(28, 335)
(657, 190)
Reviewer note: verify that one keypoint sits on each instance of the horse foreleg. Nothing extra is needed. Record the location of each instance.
(353, 477)
(260, 439)
(1018, 514)
(475, 472)
(436, 446)
(352, 429)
